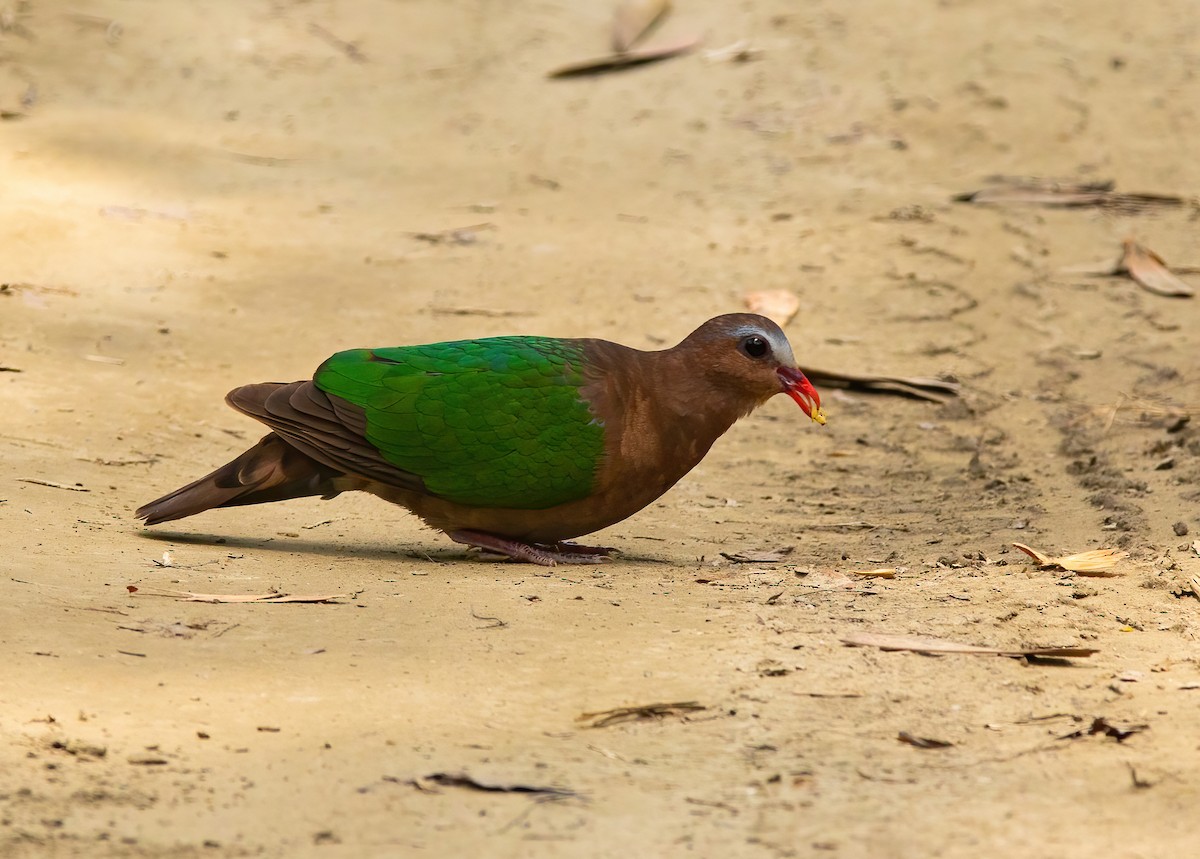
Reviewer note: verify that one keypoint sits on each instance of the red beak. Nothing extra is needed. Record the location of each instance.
(797, 386)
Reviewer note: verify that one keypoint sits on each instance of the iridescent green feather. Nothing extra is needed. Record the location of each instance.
(490, 423)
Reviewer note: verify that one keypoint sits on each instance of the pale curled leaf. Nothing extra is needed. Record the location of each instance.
(778, 305)
(881, 573)
(1097, 562)
(635, 57)
(1150, 272)
(1043, 560)
(925, 644)
(634, 19)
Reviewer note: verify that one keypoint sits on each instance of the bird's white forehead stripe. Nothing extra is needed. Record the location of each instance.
(776, 339)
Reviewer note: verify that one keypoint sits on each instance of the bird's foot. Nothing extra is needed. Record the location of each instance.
(547, 555)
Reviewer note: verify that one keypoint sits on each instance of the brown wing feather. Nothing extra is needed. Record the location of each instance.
(272, 470)
(328, 429)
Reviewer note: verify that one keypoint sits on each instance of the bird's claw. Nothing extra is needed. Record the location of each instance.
(544, 554)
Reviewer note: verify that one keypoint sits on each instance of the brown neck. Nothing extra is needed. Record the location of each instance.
(661, 417)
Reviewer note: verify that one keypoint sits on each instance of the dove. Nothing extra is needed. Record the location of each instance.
(513, 445)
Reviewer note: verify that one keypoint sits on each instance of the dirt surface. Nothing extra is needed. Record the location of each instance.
(203, 195)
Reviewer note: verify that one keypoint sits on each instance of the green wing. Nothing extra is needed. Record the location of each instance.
(489, 423)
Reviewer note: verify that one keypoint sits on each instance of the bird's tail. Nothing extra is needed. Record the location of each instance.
(272, 470)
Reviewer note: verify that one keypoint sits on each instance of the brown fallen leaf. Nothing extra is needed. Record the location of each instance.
(604, 718)
(933, 390)
(778, 305)
(188, 596)
(628, 59)
(79, 748)
(461, 779)
(1095, 563)
(1049, 183)
(1031, 196)
(922, 742)
(1150, 272)
(759, 556)
(923, 644)
(633, 20)
(467, 235)
(1100, 725)
(1036, 191)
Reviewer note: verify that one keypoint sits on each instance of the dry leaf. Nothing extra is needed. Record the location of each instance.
(922, 644)
(52, 484)
(922, 742)
(188, 596)
(1035, 191)
(1032, 196)
(1150, 272)
(759, 556)
(634, 19)
(881, 573)
(464, 780)
(934, 390)
(635, 57)
(1100, 725)
(604, 718)
(778, 305)
(1094, 563)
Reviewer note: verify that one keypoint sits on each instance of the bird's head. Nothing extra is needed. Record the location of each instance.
(750, 355)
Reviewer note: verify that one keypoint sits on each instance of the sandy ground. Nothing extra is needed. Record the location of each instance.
(200, 195)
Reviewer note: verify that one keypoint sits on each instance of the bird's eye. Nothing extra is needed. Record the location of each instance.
(755, 346)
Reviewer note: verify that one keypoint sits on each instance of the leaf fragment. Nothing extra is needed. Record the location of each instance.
(1101, 725)
(273, 597)
(933, 390)
(628, 59)
(52, 484)
(1063, 193)
(1097, 562)
(759, 556)
(462, 779)
(1150, 272)
(633, 20)
(604, 718)
(778, 305)
(927, 644)
(922, 742)
(881, 573)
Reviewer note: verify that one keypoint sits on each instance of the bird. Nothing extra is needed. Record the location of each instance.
(512, 445)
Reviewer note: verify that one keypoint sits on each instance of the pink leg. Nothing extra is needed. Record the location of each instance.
(533, 553)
